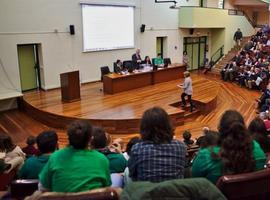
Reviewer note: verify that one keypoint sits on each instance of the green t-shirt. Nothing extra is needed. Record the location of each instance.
(73, 170)
(118, 163)
(33, 166)
(205, 166)
(158, 61)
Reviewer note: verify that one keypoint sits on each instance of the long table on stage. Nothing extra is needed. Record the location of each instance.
(114, 83)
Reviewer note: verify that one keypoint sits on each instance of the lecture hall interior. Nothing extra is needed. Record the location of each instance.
(135, 99)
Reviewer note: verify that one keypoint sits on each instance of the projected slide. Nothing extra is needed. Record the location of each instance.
(107, 27)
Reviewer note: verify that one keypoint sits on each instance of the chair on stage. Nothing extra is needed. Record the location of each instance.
(129, 65)
(104, 70)
(167, 62)
(246, 186)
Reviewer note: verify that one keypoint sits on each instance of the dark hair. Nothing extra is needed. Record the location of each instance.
(99, 139)
(228, 118)
(209, 139)
(184, 52)
(6, 144)
(258, 132)
(156, 126)
(79, 134)
(132, 142)
(31, 140)
(235, 144)
(47, 141)
(186, 135)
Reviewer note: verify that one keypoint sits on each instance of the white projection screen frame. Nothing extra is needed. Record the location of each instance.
(107, 27)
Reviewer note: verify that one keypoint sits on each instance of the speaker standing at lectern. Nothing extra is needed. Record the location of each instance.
(136, 59)
(187, 90)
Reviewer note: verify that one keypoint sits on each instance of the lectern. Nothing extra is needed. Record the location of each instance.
(70, 86)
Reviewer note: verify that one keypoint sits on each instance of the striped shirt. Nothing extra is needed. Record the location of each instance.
(157, 162)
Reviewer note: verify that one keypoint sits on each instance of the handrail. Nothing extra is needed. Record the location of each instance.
(217, 55)
(250, 21)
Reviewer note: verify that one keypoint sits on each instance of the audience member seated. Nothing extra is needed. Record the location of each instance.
(235, 152)
(251, 68)
(99, 142)
(13, 153)
(3, 166)
(130, 144)
(258, 131)
(187, 138)
(265, 117)
(76, 168)
(47, 144)
(30, 149)
(149, 158)
(210, 139)
(226, 72)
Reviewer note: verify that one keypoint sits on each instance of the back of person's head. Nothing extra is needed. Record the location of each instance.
(186, 74)
(47, 142)
(258, 131)
(257, 126)
(156, 126)
(229, 117)
(186, 135)
(31, 140)
(210, 139)
(235, 144)
(79, 134)
(131, 143)
(6, 143)
(99, 139)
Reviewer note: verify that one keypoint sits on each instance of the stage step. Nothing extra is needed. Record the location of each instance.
(187, 114)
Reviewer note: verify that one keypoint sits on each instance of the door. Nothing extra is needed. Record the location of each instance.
(159, 46)
(196, 51)
(28, 65)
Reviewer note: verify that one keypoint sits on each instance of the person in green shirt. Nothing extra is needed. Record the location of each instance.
(158, 61)
(235, 153)
(117, 161)
(76, 168)
(47, 144)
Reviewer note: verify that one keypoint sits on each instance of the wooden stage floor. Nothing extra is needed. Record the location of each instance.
(121, 112)
(125, 106)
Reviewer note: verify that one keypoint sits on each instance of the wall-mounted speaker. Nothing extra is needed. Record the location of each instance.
(191, 31)
(72, 29)
(142, 28)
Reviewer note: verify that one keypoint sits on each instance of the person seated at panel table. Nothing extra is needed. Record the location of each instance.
(147, 61)
(159, 61)
(118, 66)
(136, 59)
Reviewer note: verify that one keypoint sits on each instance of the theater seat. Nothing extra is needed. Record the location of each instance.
(97, 194)
(254, 185)
(23, 187)
(6, 179)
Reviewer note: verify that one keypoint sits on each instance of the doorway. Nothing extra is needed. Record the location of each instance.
(28, 59)
(196, 51)
(161, 46)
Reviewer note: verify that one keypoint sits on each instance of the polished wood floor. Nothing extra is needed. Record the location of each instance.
(229, 96)
(131, 104)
